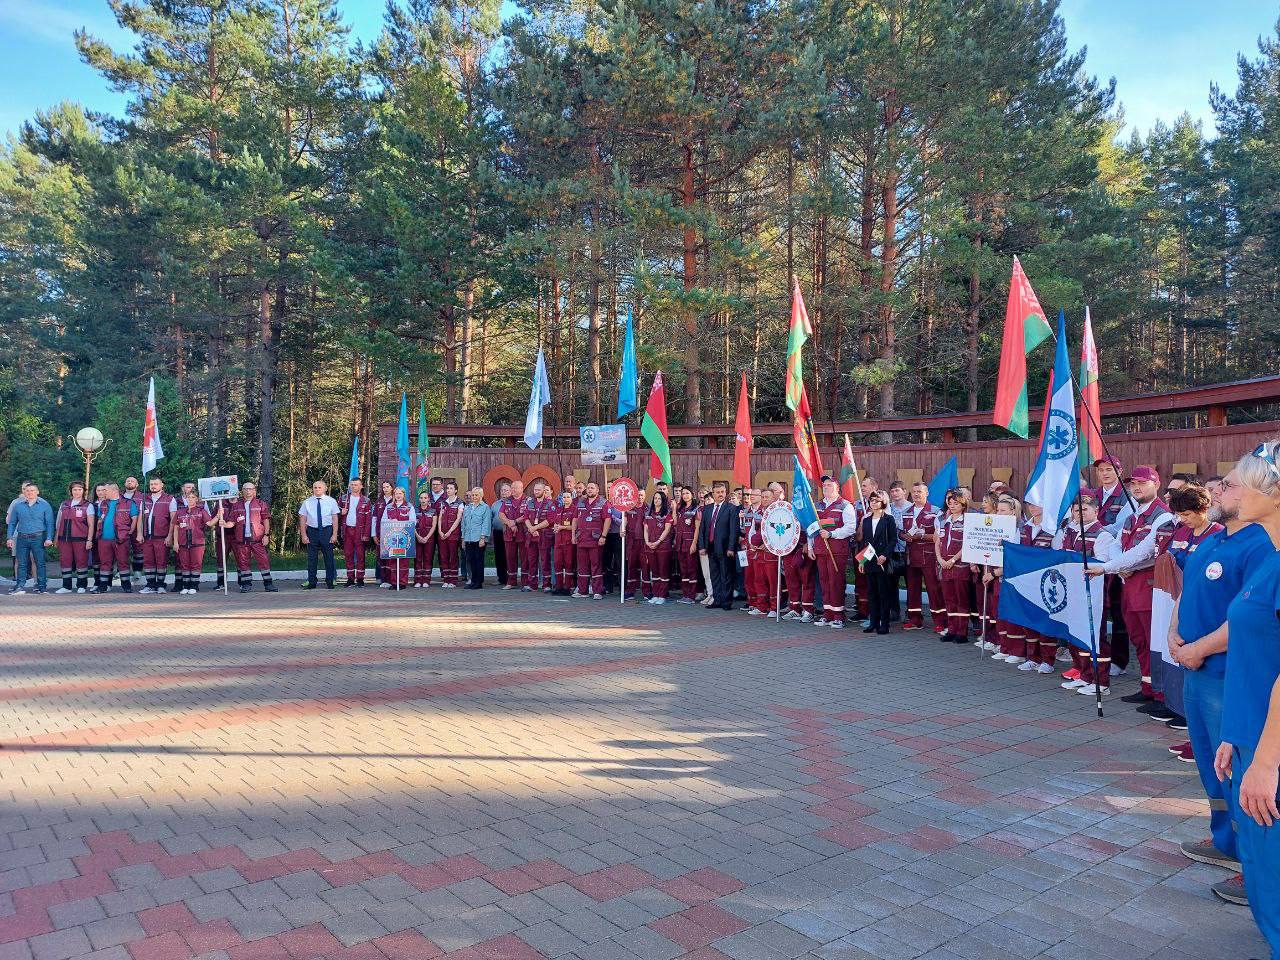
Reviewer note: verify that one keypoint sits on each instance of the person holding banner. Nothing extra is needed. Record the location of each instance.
(1086, 535)
(380, 505)
(399, 509)
(317, 528)
(830, 550)
(953, 574)
(688, 517)
(249, 520)
(219, 542)
(879, 539)
(187, 540)
(657, 530)
(356, 528)
(1010, 637)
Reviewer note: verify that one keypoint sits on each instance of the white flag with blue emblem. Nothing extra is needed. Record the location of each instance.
(1047, 591)
(539, 397)
(1055, 481)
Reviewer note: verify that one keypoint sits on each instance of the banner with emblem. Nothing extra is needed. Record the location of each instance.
(603, 444)
(1047, 591)
(397, 539)
(1165, 591)
(779, 528)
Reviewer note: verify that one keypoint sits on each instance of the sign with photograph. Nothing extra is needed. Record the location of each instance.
(603, 444)
(218, 488)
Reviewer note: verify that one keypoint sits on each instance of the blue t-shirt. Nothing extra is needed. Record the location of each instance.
(1253, 655)
(1212, 576)
(109, 521)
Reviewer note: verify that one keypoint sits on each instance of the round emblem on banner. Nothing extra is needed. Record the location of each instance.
(1060, 434)
(588, 434)
(1053, 591)
(624, 494)
(779, 528)
(1213, 571)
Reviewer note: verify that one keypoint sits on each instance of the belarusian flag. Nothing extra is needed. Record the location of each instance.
(1025, 328)
(742, 441)
(865, 554)
(654, 430)
(850, 486)
(797, 398)
(1090, 399)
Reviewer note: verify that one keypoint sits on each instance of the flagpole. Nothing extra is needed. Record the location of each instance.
(622, 543)
(222, 537)
(982, 641)
(777, 604)
(1094, 637)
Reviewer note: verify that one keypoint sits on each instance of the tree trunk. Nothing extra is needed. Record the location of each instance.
(888, 271)
(693, 335)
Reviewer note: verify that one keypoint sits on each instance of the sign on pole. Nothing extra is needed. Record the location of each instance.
(779, 528)
(218, 488)
(398, 541)
(603, 444)
(985, 536)
(624, 494)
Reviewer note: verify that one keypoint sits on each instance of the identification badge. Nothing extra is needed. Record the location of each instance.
(1213, 571)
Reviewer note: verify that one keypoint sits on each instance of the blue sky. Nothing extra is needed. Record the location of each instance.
(1163, 63)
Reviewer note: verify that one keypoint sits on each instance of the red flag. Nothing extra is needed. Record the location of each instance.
(1025, 328)
(797, 397)
(743, 440)
(850, 485)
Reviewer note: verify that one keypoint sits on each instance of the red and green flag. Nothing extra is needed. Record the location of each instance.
(802, 430)
(1025, 328)
(850, 486)
(1090, 399)
(742, 439)
(654, 430)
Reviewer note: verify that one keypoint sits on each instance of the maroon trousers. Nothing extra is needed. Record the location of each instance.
(449, 551)
(690, 571)
(766, 567)
(115, 553)
(955, 594)
(590, 571)
(353, 555)
(633, 545)
(566, 565)
(917, 579)
(1138, 623)
(73, 558)
(833, 559)
(426, 559)
(191, 559)
(155, 559)
(252, 552)
(655, 566)
(798, 570)
(517, 559)
(398, 572)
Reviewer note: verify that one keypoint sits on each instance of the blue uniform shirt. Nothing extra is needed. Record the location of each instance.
(1212, 576)
(1253, 655)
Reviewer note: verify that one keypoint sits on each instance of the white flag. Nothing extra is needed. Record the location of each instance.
(539, 397)
(152, 451)
(1056, 479)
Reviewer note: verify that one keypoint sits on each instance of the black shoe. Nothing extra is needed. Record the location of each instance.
(305, 586)
(1138, 697)
(868, 629)
(957, 638)
(329, 586)
(1163, 716)
(1151, 708)
(882, 630)
(945, 637)
(1178, 723)
(270, 588)
(245, 588)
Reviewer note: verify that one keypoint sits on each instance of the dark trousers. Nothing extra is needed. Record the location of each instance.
(474, 553)
(723, 572)
(317, 543)
(881, 589)
(500, 555)
(611, 560)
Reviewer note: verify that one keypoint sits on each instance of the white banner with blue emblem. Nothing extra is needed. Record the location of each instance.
(1046, 591)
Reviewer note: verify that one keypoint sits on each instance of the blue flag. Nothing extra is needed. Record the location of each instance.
(948, 478)
(402, 446)
(1055, 481)
(802, 499)
(628, 381)
(539, 397)
(1047, 591)
(354, 471)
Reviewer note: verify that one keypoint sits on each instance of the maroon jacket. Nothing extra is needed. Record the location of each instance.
(363, 529)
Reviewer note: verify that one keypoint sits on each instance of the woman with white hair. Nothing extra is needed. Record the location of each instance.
(1250, 751)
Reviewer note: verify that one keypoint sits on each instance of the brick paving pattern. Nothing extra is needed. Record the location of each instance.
(506, 777)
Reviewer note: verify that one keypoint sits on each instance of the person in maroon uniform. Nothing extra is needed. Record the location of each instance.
(154, 520)
(512, 514)
(133, 495)
(448, 533)
(424, 532)
(953, 574)
(1086, 536)
(355, 529)
(766, 564)
(219, 559)
(799, 573)
(674, 580)
(919, 524)
(540, 540)
(397, 569)
(75, 524)
(984, 588)
(187, 539)
(688, 519)
(631, 529)
(830, 550)
(1041, 650)
(590, 528)
(1143, 537)
(249, 524)
(117, 534)
(1010, 637)
(431, 548)
(656, 531)
(380, 504)
(565, 554)
(1113, 509)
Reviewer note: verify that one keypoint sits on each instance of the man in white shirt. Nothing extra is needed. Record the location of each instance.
(317, 523)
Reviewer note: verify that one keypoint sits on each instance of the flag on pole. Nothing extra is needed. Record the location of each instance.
(866, 554)
(654, 430)
(802, 499)
(743, 440)
(797, 398)
(1165, 592)
(403, 465)
(422, 469)
(152, 451)
(1055, 481)
(539, 397)
(628, 379)
(850, 482)
(1025, 328)
(948, 478)
(354, 470)
(1090, 398)
(1047, 591)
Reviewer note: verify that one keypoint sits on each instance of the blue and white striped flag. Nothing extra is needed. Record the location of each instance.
(1055, 481)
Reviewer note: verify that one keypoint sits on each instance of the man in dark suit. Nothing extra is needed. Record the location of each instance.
(718, 542)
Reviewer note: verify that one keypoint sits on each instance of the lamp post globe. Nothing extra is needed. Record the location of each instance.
(89, 439)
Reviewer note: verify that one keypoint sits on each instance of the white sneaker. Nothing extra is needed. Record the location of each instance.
(64, 590)
(1045, 668)
(576, 594)
(1089, 690)
(988, 646)
(597, 596)
(659, 600)
(791, 615)
(81, 590)
(753, 612)
(806, 617)
(1010, 658)
(772, 614)
(1072, 684)
(1063, 655)
(836, 624)
(819, 622)
(449, 586)
(146, 590)
(1000, 656)
(384, 586)
(1118, 671)
(1026, 666)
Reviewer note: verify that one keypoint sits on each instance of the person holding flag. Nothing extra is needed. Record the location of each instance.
(836, 524)
(879, 537)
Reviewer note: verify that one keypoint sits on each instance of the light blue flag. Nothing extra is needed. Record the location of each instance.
(948, 478)
(628, 380)
(1047, 591)
(802, 499)
(354, 471)
(402, 446)
(1055, 481)
(539, 397)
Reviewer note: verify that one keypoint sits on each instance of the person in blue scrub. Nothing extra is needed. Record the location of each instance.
(1249, 755)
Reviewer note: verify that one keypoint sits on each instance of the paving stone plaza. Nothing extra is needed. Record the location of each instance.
(499, 776)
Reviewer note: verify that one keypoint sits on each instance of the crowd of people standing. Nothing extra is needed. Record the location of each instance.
(1219, 679)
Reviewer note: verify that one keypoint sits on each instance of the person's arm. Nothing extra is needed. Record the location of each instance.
(1261, 780)
(92, 510)
(214, 518)
(848, 524)
(604, 531)
(697, 531)
(302, 527)
(1141, 553)
(333, 523)
(457, 522)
